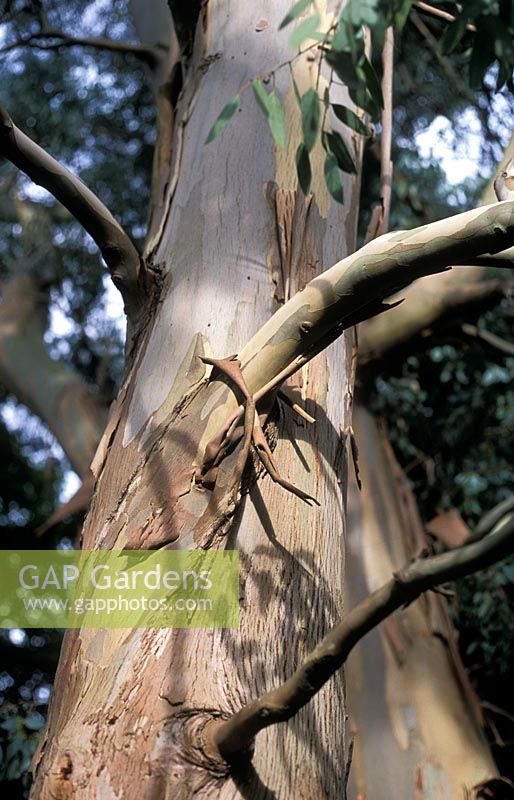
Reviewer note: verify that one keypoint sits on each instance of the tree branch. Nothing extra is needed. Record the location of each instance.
(440, 14)
(460, 85)
(427, 308)
(235, 735)
(354, 289)
(150, 55)
(490, 338)
(386, 119)
(504, 258)
(73, 413)
(457, 82)
(118, 251)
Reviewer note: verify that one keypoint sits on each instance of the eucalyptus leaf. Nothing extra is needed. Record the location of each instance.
(333, 178)
(303, 168)
(333, 143)
(309, 106)
(349, 118)
(481, 56)
(277, 120)
(304, 30)
(9, 724)
(364, 12)
(272, 108)
(343, 38)
(224, 118)
(349, 39)
(402, 14)
(295, 12)
(452, 35)
(363, 99)
(34, 722)
(343, 65)
(372, 82)
(262, 96)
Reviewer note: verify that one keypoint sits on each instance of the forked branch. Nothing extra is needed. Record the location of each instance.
(355, 289)
(118, 251)
(235, 735)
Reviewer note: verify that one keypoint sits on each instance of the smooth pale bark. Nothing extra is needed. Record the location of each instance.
(411, 705)
(237, 237)
(52, 391)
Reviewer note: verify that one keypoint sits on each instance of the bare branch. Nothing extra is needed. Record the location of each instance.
(354, 289)
(491, 519)
(427, 309)
(236, 735)
(116, 247)
(460, 85)
(150, 55)
(490, 338)
(440, 14)
(386, 119)
(49, 388)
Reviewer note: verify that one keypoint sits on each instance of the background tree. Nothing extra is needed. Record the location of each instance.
(281, 201)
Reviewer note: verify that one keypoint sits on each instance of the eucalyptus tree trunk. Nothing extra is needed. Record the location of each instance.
(416, 720)
(234, 238)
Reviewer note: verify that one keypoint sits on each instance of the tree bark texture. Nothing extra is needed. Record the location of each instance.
(413, 712)
(406, 685)
(236, 238)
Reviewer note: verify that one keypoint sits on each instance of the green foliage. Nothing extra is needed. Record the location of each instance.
(224, 118)
(303, 168)
(333, 178)
(492, 42)
(305, 30)
(24, 696)
(295, 12)
(342, 48)
(334, 144)
(484, 613)
(272, 109)
(310, 108)
(349, 118)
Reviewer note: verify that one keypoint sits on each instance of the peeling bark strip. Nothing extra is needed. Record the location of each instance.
(117, 249)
